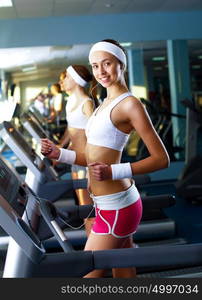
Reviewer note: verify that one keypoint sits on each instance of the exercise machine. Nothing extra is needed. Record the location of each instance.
(35, 129)
(189, 184)
(52, 128)
(51, 188)
(30, 220)
(41, 177)
(36, 132)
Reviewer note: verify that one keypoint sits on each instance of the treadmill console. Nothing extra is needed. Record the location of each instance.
(27, 117)
(16, 141)
(18, 137)
(11, 187)
(14, 197)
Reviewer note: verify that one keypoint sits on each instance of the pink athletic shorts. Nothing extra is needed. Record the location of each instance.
(120, 223)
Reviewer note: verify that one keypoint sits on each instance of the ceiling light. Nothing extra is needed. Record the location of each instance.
(60, 48)
(196, 67)
(126, 44)
(158, 58)
(29, 68)
(6, 3)
(157, 68)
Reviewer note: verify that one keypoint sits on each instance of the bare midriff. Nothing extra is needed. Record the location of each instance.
(77, 139)
(108, 156)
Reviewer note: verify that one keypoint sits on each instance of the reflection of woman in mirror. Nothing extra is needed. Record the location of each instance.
(55, 103)
(39, 102)
(79, 108)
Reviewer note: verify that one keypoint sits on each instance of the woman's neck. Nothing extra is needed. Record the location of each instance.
(79, 93)
(115, 91)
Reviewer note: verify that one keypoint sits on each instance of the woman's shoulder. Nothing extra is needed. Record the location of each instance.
(88, 106)
(131, 105)
(88, 102)
(132, 101)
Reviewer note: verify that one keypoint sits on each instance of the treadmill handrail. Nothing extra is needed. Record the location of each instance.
(164, 256)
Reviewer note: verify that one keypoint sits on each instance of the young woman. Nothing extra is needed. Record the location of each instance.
(117, 201)
(78, 109)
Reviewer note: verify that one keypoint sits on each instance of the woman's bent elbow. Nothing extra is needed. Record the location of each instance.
(165, 161)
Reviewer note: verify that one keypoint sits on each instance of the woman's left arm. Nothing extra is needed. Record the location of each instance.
(136, 117)
(88, 108)
(141, 122)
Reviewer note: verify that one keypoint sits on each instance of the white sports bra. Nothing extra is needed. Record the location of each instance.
(100, 130)
(76, 118)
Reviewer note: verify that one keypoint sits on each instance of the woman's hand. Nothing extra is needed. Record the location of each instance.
(49, 149)
(100, 171)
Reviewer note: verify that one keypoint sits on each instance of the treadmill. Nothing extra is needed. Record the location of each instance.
(45, 183)
(37, 132)
(51, 128)
(29, 220)
(41, 176)
(32, 125)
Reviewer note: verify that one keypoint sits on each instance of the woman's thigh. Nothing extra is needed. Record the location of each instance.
(106, 242)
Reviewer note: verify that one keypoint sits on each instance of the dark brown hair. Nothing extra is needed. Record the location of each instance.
(56, 86)
(87, 76)
(62, 75)
(115, 43)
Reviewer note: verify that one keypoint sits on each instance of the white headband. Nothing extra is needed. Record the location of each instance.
(77, 78)
(111, 48)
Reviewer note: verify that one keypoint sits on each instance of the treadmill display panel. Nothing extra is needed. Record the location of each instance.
(4, 179)
(11, 188)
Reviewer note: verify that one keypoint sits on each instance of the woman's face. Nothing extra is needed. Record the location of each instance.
(106, 68)
(54, 90)
(61, 82)
(68, 83)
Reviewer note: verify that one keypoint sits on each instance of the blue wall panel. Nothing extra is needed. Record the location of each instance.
(88, 29)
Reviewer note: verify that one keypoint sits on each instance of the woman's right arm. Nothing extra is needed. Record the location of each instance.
(51, 151)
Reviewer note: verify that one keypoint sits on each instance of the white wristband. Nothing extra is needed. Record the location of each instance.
(67, 156)
(122, 170)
